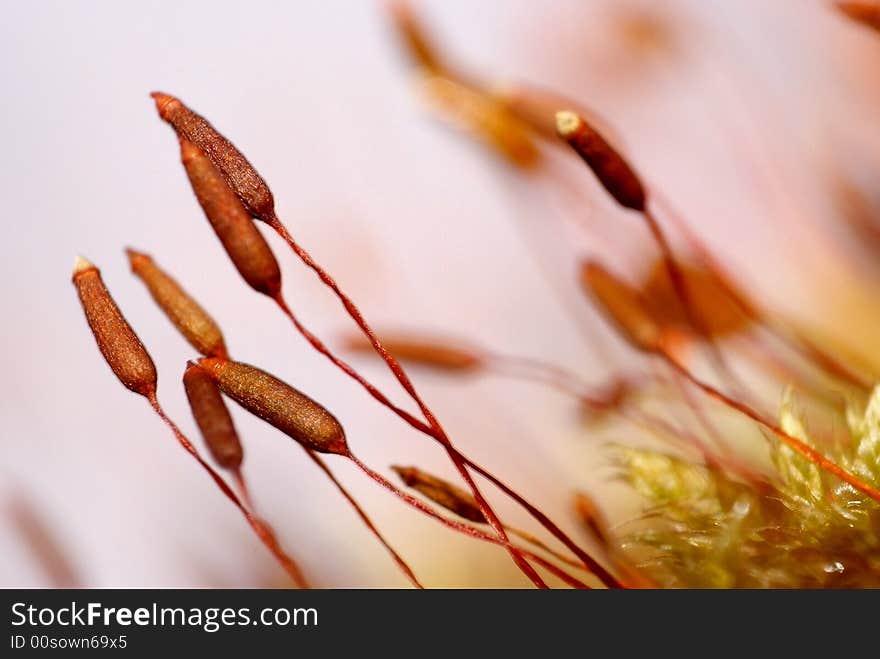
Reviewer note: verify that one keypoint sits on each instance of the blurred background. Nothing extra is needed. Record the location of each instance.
(757, 120)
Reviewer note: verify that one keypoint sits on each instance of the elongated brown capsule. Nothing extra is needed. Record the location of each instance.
(623, 306)
(239, 174)
(279, 404)
(613, 172)
(212, 417)
(120, 346)
(413, 36)
(426, 352)
(185, 313)
(238, 234)
(866, 13)
(442, 493)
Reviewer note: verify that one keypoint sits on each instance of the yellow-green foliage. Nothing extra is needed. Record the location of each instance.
(803, 528)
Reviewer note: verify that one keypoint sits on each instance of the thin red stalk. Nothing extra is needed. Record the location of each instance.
(726, 460)
(260, 529)
(700, 414)
(534, 369)
(790, 337)
(728, 463)
(532, 540)
(595, 567)
(793, 442)
(464, 528)
(322, 348)
(568, 382)
(401, 563)
(557, 377)
(545, 521)
(679, 284)
(436, 429)
(238, 477)
(758, 350)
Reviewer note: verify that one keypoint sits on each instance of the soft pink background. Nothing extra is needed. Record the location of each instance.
(424, 229)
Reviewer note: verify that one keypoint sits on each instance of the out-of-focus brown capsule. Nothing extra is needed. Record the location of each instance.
(442, 493)
(239, 174)
(212, 417)
(613, 172)
(279, 404)
(116, 340)
(717, 312)
(42, 543)
(866, 13)
(424, 352)
(608, 398)
(413, 36)
(484, 117)
(185, 313)
(240, 237)
(623, 306)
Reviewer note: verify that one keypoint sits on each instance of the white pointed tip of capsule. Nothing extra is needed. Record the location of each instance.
(81, 265)
(567, 123)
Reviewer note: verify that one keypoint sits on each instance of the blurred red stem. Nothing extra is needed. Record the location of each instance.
(260, 529)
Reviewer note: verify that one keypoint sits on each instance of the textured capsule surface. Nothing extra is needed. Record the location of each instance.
(242, 240)
(120, 346)
(212, 417)
(279, 404)
(613, 172)
(426, 352)
(239, 174)
(442, 492)
(623, 306)
(187, 315)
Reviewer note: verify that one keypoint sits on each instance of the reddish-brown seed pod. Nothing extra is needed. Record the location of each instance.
(613, 172)
(425, 352)
(212, 417)
(185, 313)
(866, 13)
(413, 36)
(239, 174)
(279, 404)
(120, 346)
(442, 493)
(240, 237)
(623, 306)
